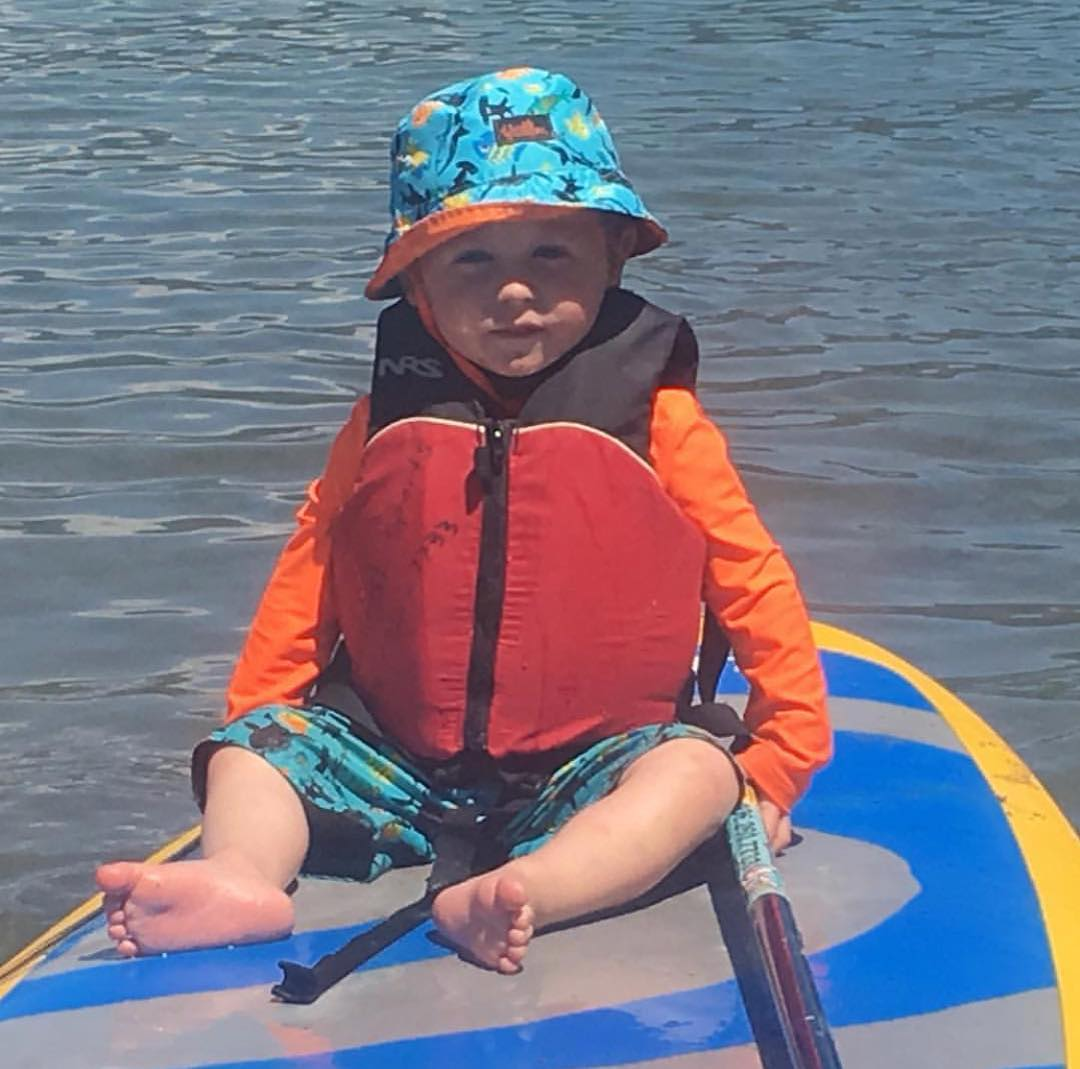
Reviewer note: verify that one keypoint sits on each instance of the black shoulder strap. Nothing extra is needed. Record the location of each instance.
(610, 380)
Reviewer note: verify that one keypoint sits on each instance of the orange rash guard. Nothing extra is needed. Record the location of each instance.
(749, 586)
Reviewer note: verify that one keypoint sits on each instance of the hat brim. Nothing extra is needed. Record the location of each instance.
(433, 230)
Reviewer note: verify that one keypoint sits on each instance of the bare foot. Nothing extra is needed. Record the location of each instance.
(489, 917)
(187, 904)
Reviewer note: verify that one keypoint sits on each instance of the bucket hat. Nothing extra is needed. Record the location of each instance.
(516, 143)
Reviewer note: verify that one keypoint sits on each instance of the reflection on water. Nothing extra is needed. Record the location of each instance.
(874, 216)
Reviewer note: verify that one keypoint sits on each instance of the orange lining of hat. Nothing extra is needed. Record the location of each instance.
(441, 226)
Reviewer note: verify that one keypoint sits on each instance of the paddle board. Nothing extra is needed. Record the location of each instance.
(936, 888)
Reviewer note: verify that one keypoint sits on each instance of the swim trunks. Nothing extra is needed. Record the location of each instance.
(369, 806)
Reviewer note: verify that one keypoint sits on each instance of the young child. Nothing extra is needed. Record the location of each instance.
(511, 542)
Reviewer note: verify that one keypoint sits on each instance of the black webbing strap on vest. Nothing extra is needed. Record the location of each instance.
(460, 837)
(718, 718)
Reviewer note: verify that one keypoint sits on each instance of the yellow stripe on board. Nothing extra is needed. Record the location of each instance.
(15, 968)
(1048, 842)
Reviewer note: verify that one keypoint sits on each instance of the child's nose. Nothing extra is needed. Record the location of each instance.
(516, 287)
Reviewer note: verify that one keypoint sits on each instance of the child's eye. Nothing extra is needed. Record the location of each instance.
(472, 256)
(550, 252)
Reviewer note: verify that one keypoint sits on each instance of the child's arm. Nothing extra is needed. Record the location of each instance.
(751, 589)
(295, 629)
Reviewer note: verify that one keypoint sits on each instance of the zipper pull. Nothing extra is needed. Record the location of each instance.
(489, 458)
(498, 439)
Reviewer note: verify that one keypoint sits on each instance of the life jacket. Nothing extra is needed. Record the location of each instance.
(515, 586)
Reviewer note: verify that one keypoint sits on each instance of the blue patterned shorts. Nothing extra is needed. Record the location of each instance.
(365, 800)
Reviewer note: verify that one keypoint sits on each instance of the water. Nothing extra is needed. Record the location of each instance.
(874, 209)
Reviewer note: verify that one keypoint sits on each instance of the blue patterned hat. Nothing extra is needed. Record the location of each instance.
(507, 145)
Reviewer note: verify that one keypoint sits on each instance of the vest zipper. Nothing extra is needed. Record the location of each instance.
(491, 467)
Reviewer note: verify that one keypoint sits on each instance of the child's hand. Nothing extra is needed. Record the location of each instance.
(777, 825)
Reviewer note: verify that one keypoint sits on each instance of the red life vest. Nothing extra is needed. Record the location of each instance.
(519, 585)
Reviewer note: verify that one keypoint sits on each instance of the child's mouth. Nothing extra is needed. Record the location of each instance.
(518, 330)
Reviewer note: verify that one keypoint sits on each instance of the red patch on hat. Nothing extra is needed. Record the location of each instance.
(523, 128)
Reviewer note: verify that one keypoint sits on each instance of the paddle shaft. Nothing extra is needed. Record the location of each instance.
(795, 998)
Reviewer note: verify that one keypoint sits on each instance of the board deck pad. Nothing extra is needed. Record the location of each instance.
(925, 928)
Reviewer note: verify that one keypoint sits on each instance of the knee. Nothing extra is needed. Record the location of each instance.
(713, 772)
(226, 761)
(701, 770)
(229, 767)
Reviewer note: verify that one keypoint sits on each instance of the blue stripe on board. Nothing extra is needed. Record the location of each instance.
(617, 1043)
(620, 1035)
(192, 971)
(69, 940)
(847, 676)
(972, 933)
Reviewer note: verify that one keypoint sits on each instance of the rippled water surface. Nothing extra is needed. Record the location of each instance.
(874, 209)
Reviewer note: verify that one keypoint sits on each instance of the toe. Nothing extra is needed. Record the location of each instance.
(117, 932)
(510, 962)
(127, 947)
(519, 937)
(118, 877)
(510, 896)
(523, 919)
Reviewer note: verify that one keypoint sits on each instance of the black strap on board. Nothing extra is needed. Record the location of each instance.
(305, 983)
(460, 836)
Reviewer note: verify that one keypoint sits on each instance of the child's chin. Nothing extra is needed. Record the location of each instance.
(522, 366)
(514, 365)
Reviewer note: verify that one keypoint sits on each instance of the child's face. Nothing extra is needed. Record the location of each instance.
(514, 296)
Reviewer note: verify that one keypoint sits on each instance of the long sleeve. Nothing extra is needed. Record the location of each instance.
(295, 628)
(751, 589)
